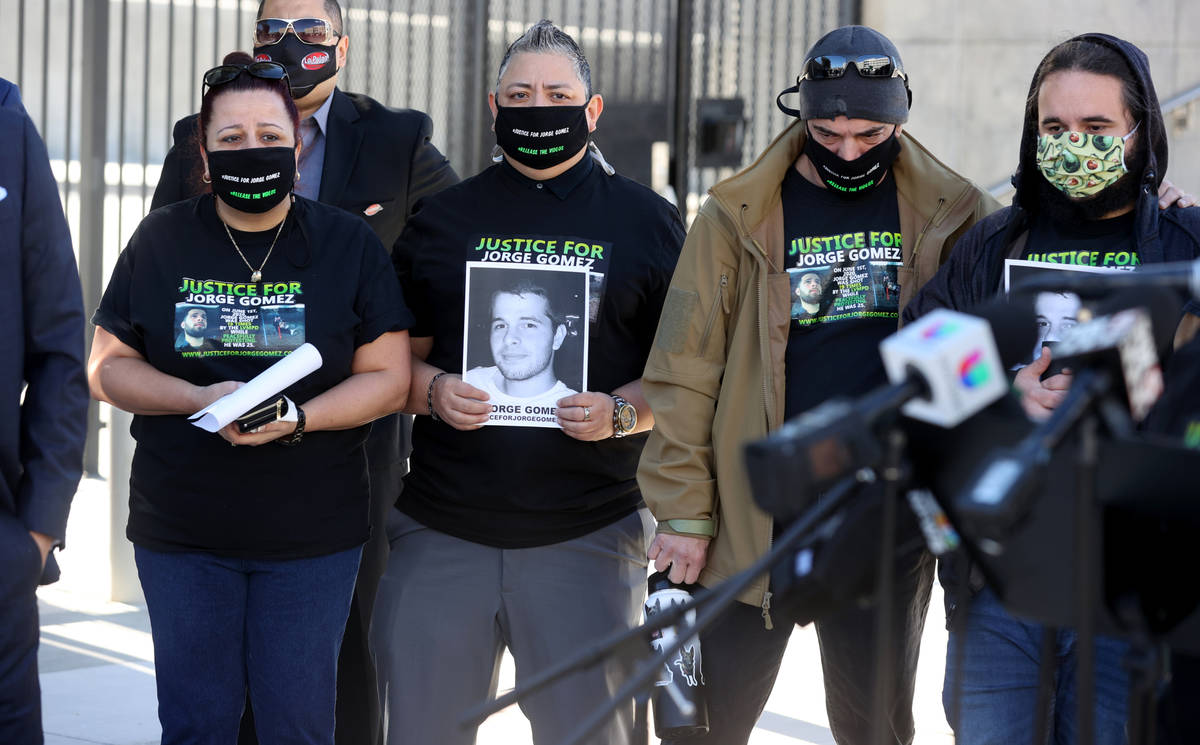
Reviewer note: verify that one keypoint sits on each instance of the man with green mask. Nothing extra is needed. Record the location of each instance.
(1092, 157)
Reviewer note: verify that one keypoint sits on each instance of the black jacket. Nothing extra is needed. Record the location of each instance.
(974, 271)
(43, 392)
(373, 155)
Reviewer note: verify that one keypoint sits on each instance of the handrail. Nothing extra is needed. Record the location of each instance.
(1000, 188)
(1179, 100)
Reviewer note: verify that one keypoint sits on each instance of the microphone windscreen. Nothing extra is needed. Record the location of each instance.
(1014, 326)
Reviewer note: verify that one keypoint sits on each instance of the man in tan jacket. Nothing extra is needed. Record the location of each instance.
(847, 192)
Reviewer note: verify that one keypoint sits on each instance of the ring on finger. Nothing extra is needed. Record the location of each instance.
(587, 413)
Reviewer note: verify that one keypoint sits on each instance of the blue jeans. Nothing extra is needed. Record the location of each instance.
(222, 626)
(999, 681)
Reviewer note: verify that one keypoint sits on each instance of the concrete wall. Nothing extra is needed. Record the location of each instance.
(971, 61)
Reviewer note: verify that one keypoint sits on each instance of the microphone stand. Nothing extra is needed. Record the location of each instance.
(895, 473)
(1081, 413)
(1085, 575)
(708, 604)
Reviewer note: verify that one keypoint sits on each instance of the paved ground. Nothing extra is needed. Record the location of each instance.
(97, 673)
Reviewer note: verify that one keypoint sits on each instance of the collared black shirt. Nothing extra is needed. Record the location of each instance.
(527, 486)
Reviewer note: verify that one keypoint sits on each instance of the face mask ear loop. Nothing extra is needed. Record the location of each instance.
(1124, 140)
(787, 109)
(594, 150)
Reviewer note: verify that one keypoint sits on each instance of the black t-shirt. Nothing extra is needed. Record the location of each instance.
(617, 244)
(1107, 244)
(180, 296)
(842, 256)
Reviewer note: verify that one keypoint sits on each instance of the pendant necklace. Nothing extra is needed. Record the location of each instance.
(255, 274)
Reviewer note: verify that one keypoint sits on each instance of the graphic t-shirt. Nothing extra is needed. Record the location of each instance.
(1106, 244)
(842, 257)
(180, 295)
(513, 486)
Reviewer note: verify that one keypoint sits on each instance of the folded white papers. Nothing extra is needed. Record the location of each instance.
(303, 360)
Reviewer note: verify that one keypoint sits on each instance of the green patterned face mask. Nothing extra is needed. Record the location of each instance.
(1081, 164)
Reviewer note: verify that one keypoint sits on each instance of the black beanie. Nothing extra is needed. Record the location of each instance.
(853, 96)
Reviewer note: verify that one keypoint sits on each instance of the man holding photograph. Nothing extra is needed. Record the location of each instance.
(527, 537)
(1092, 103)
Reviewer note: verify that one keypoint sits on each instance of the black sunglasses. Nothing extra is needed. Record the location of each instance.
(832, 66)
(223, 74)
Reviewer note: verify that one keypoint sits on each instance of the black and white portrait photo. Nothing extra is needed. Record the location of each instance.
(1056, 312)
(525, 341)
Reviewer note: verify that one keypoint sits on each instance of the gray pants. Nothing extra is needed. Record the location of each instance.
(447, 608)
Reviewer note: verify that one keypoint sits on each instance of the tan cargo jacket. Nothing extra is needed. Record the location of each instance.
(715, 375)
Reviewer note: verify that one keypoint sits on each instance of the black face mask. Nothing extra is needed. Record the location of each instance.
(252, 180)
(853, 178)
(541, 136)
(307, 65)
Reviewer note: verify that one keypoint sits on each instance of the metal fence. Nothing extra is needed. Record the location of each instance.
(689, 85)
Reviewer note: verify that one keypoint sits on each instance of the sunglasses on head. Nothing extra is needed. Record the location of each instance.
(832, 66)
(223, 74)
(317, 31)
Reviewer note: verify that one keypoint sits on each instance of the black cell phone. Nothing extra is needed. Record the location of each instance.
(265, 413)
(1056, 364)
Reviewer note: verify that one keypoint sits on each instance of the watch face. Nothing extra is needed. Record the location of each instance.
(627, 416)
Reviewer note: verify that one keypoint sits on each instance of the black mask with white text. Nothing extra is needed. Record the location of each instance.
(252, 180)
(541, 136)
(853, 178)
(307, 65)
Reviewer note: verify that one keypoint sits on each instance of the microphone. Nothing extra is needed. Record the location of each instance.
(950, 364)
(1117, 350)
(958, 358)
(1179, 275)
(1128, 335)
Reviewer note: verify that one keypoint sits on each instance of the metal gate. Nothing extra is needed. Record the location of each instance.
(689, 86)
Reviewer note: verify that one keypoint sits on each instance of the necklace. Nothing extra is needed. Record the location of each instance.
(255, 274)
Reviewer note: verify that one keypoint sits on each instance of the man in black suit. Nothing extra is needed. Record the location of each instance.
(43, 403)
(376, 162)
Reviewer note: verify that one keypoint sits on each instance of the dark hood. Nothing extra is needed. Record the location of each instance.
(1152, 128)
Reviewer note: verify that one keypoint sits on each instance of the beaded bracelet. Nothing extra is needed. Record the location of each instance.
(429, 396)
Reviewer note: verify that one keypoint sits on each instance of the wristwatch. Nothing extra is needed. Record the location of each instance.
(298, 434)
(624, 416)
